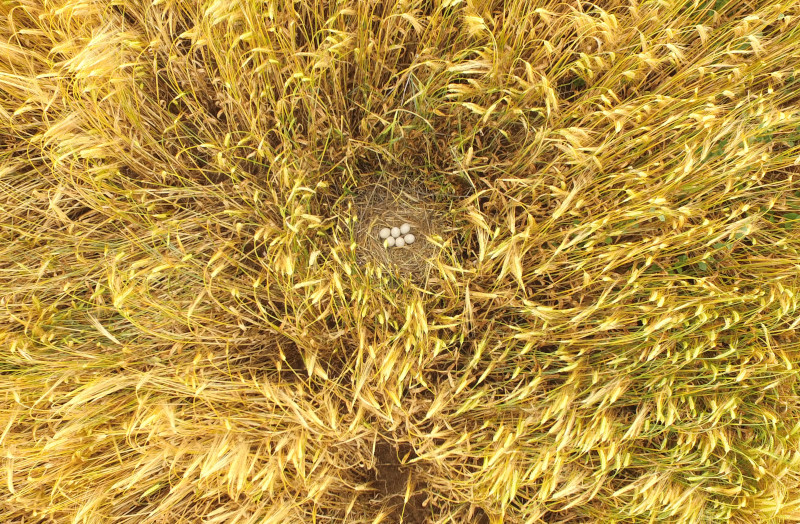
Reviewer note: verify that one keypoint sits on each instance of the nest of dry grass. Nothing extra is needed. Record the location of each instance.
(380, 206)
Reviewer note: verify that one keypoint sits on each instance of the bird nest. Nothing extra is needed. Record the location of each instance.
(380, 206)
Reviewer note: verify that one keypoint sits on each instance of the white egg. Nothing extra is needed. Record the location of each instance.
(389, 242)
(395, 232)
(405, 228)
(409, 239)
(385, 232)
(400, 242)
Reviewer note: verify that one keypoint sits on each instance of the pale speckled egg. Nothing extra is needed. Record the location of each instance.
(405, 229)
(409, 239)
(384, 233)
(389, 242)
(395, 232)
(399, 242)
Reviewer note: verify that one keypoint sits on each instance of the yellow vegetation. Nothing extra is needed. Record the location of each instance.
(600, 324)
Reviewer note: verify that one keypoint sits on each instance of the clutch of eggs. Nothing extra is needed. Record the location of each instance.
(397, 236)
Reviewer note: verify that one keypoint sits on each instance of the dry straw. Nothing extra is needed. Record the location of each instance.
(604, 329)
